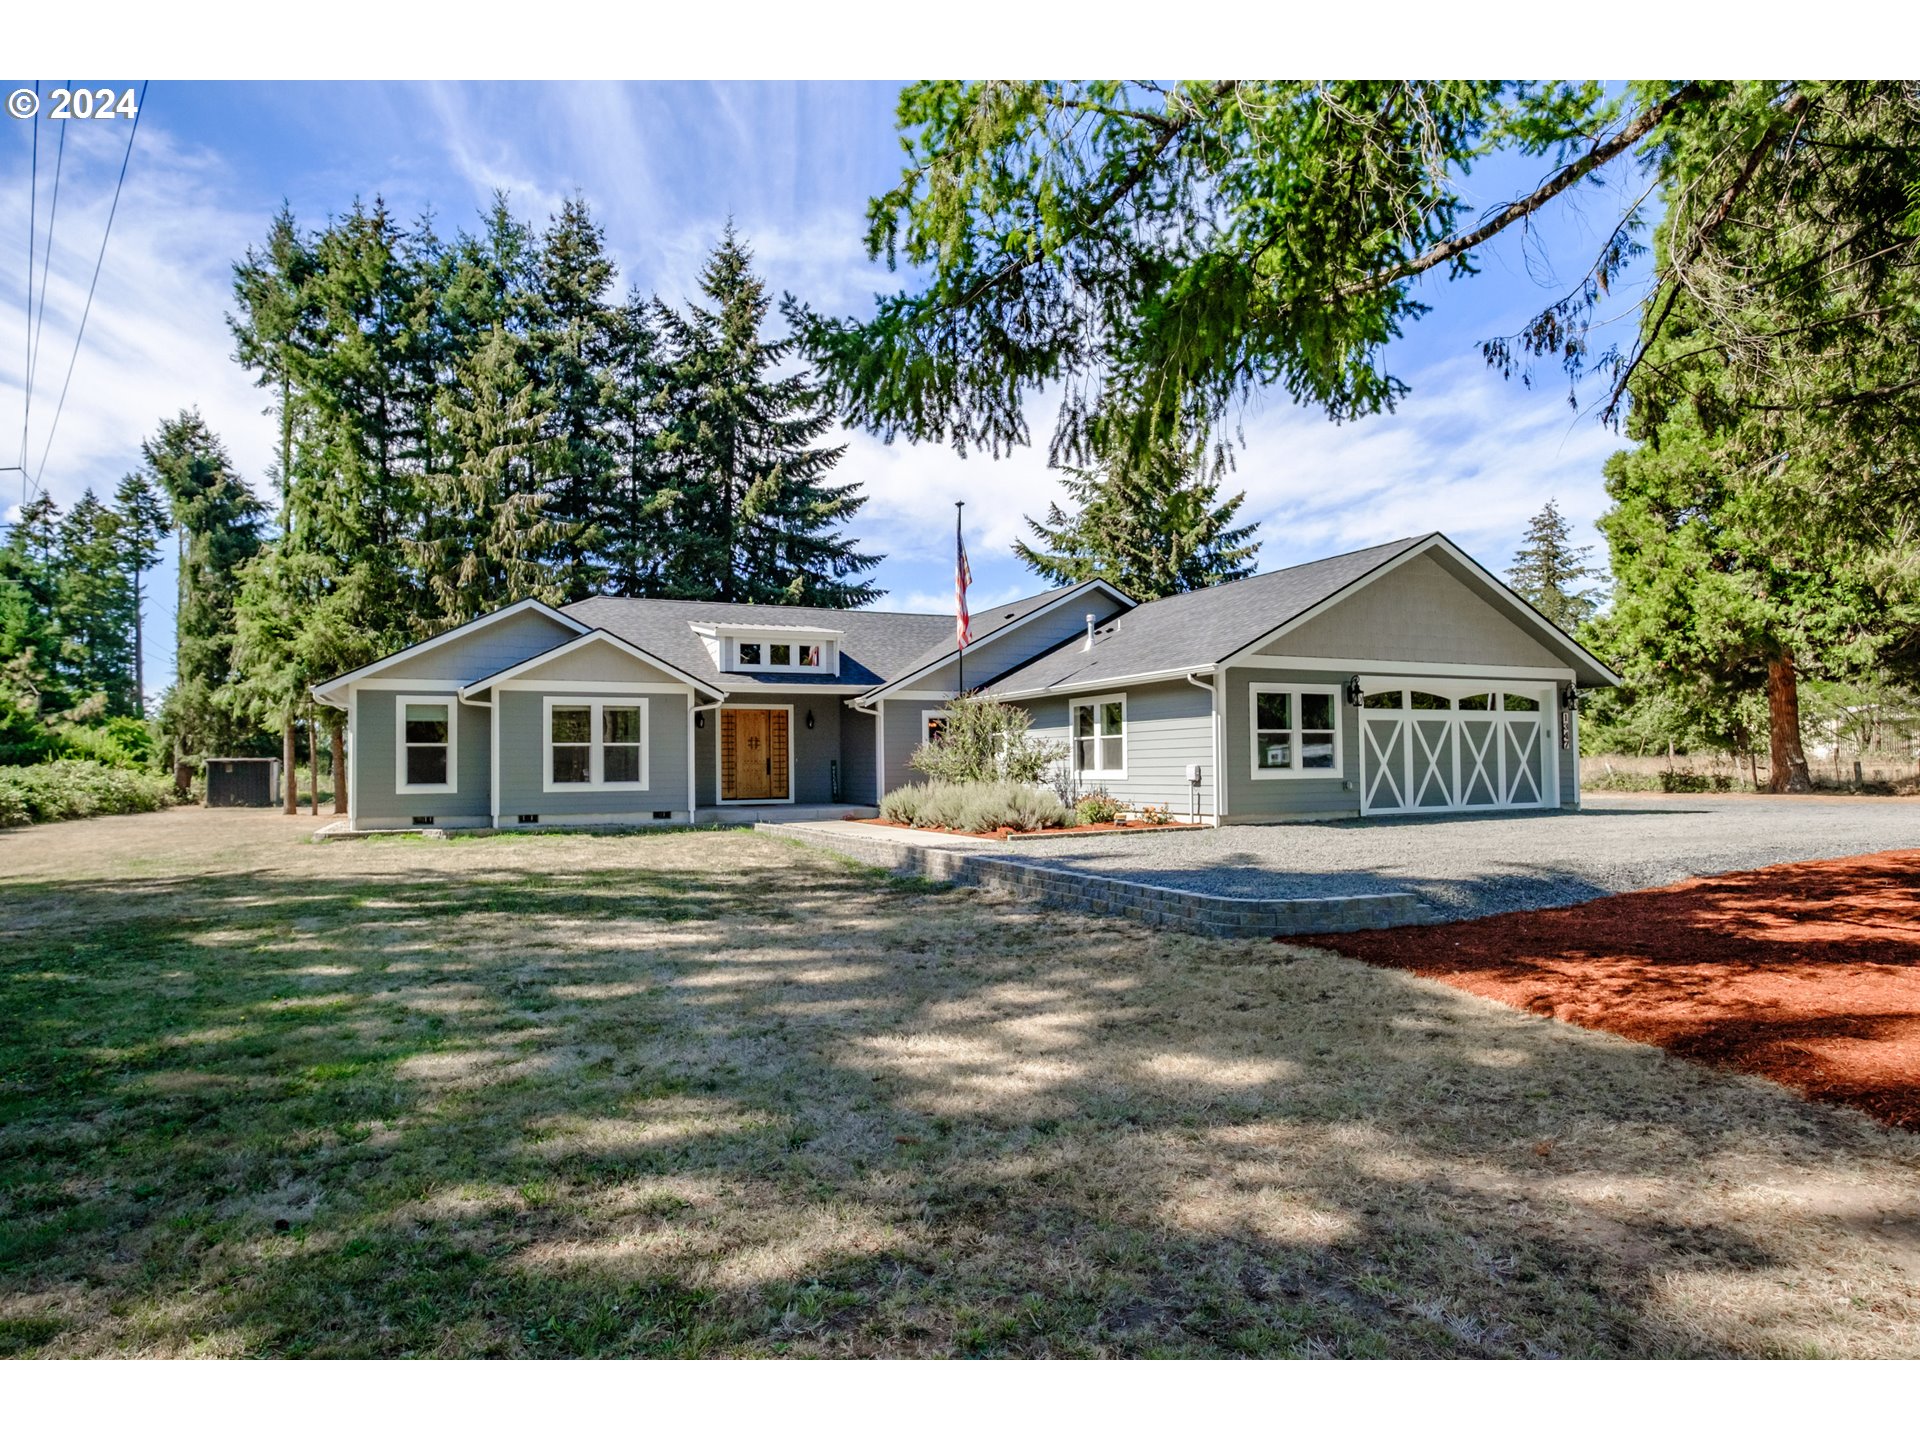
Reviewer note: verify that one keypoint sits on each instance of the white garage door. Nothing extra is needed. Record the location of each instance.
(1433, 745)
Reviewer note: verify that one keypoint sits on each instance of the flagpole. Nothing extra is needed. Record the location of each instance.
(960, 678)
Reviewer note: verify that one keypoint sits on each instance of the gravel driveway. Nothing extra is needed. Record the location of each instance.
(1487, 864)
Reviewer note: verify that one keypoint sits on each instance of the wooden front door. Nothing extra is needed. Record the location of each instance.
(753, 754)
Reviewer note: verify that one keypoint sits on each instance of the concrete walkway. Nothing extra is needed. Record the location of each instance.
(964, 860)
(778, 814)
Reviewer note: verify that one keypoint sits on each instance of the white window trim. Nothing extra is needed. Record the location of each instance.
(596, 751)
(1073, 747)
(927, 717)
(400, 785)
(1297, 772)
(829, 654)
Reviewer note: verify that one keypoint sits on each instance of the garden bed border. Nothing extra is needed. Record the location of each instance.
(966, 862)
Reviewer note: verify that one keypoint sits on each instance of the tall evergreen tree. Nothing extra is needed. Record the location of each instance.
(29, 579)
(273, 324)
(753, 514)
(143, 525)
(1151, 526)
(273, 647)
(637, 541)
(1548, 571)
(94, 602)
(364, 382)
(218, 521)
(571, 352)
(1763, 531)
(490, 279)
(485, 538)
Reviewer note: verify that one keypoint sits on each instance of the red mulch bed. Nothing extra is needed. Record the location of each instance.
(1003, 833)
(1808, 974)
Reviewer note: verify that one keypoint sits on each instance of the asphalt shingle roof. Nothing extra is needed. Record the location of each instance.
(1198, 628)
(983, 624)
(876, 646)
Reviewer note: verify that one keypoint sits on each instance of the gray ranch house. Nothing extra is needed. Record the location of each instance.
(1400, 679)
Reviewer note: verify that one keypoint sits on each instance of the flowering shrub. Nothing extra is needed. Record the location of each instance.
(1097, 807)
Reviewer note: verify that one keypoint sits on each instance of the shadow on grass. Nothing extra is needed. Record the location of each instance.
(752, 1100)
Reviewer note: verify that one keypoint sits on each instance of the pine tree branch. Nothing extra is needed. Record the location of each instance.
(1569, 175)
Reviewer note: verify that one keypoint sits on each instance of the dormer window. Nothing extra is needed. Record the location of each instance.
(797, 652)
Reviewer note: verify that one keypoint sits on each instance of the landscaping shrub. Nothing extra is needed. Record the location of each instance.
(1155, 815)
(975, 806)
(902, 806)
(122, 741)
(74, 789)
(983, 740)
(1693, 782)
(1097, 807)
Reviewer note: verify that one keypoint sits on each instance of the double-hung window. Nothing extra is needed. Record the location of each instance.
(1099, 737)
(426, 760)
(596, 744)
(1296, 731)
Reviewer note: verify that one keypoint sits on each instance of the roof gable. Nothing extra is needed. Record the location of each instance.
(1432, 603)
(653, 667)
(1204, 629)
(465, 652)
(1197, 628)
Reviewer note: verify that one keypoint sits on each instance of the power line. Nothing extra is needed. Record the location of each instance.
(46, 264)
(139, 110)
(33, 214)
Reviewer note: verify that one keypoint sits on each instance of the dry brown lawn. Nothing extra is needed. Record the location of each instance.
(714, 1094)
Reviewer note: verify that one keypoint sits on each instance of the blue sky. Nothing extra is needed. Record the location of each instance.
(664, 165)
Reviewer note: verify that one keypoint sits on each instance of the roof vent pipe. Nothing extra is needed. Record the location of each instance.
(1089, 644)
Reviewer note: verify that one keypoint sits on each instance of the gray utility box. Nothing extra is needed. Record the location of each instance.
(243, 780)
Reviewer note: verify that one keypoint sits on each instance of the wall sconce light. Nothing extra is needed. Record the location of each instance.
(1570, 698)
(809, 719)
(1353, 691)
(699, 721)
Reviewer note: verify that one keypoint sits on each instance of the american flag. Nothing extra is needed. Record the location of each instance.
(962, 577)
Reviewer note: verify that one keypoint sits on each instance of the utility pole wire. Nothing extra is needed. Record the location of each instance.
(46, 262)
(33, 213)
(112, 210)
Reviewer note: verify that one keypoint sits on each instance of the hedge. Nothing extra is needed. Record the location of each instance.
(75, 789)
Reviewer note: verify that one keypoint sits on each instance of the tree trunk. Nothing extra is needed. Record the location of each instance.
(139, 663)
(313, 766)
(1786, 759)
(290, 767)
(339, 770)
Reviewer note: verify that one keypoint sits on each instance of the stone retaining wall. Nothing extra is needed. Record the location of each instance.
(1222, 915)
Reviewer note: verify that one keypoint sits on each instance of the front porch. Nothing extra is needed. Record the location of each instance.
(779, 814)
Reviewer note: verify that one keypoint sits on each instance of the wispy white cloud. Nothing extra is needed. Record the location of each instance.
(1466, 453)
(663, 167)
(156, 339)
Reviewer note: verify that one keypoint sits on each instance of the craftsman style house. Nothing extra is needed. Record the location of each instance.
(1399, 679)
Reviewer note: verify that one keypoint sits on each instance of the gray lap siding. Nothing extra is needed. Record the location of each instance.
(1284, 798)
(523, 759)
(1169, 726)
(376, 801)
(816, 751)
(489, 649)
(900, 722)
(859, 734)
